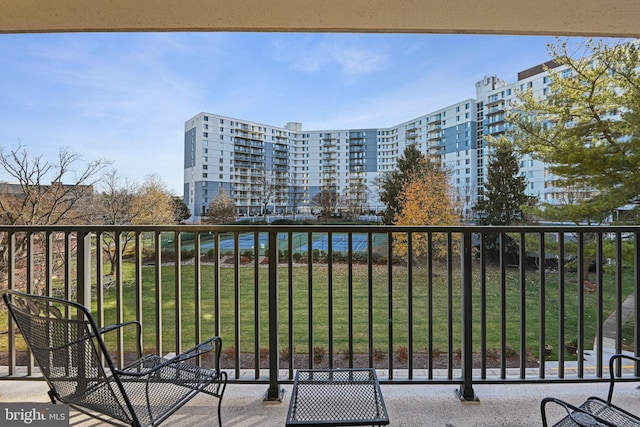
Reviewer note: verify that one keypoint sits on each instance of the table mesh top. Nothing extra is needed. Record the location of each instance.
(337, 396)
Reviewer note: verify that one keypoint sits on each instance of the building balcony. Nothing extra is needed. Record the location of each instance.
(432, 309)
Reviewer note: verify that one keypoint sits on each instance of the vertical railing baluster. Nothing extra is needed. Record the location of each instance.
(177, 246)
(137, 248)
(465, 392)
(390, 301)
(523, 307)
(483, 305)
(561, 304)
(330, 294)
(636, 304)
(274, 393)
(48, 263)
(197, 292)
(503, 306)
(68, 272)
(619, 300)
(581, 320)
(350, 295)
(236, 297)
(99, 285)
(290, 312)
(599, 305)
(409, 302)
(256, 305)
(216, 286)
(450, 344)
(542, 303)
(30, 264)
(119, 299)
(158, 290)
(430, 303)
(310, 295)
(370, 299)
(11, 285)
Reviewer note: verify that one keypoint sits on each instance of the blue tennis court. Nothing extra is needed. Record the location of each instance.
(300, 243)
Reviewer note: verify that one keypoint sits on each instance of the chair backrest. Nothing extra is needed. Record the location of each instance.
(67, 347)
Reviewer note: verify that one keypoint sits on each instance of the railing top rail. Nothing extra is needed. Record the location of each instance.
(325, 228)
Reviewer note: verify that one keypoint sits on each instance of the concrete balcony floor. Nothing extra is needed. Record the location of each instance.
(408, 405)
(413, 405)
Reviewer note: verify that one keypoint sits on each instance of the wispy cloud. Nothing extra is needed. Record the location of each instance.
(349, 54)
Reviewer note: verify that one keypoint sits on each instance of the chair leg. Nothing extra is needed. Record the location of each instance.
(224, 386)
(52, 396)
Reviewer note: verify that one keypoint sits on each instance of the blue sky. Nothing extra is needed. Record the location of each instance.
(125, 96)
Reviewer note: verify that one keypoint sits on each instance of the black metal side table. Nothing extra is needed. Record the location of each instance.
(336, 397)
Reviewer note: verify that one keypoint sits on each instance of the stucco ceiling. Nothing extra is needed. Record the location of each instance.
(620, 18)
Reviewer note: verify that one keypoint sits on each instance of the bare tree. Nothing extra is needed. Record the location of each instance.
(297, 193)
(270, 190)
(43, 193)
(326, 201)
(355, 199)
(123, 202)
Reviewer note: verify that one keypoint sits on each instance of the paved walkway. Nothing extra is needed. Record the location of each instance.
(609, 325)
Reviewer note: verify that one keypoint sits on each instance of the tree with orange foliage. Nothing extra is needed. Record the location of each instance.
(427, 199)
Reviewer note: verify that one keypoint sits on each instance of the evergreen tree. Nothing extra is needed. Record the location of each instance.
(409, 163)
(586, 130)
(504, 195)
(181, 211)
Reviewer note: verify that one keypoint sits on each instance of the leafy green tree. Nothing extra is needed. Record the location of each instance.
(504, 195)
(411, 162)
(586, 130)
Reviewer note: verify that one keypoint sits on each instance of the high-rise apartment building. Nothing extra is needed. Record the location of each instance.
(244, 158)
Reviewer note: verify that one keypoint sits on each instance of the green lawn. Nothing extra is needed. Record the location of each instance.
(379, 298)
(380, 295)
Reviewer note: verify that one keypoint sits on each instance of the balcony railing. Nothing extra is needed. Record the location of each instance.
(462, 305)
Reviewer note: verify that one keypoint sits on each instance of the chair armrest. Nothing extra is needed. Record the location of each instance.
(114, 327)
(120, 325)
(612, 363)
(202, 348)
(579, 416)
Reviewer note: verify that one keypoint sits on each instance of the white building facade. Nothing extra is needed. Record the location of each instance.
(238, 155)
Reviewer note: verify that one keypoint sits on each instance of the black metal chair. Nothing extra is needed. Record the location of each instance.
(69, 347)
(595, 411)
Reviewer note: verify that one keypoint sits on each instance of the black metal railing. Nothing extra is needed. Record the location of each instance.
(459, 305)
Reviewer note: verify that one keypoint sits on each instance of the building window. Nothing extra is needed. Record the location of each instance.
(204, 175)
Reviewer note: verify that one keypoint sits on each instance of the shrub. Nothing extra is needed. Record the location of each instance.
(284, 353)
(248, 253)
(402, 354)
(378, 355)
(264, 353)
(318, 354)
(230, 352)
